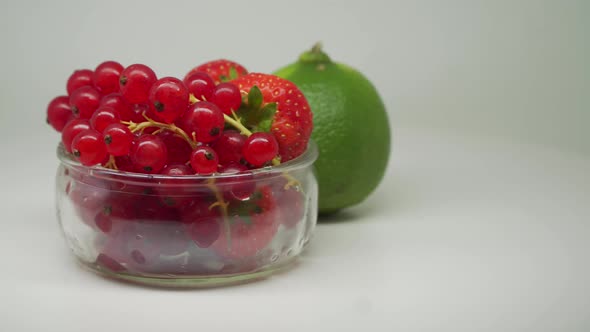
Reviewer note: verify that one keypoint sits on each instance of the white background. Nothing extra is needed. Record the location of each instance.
(482, 221)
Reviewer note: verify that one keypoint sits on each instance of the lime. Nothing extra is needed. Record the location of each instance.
(350, 127)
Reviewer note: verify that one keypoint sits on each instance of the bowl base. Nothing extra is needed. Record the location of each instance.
(191, 281)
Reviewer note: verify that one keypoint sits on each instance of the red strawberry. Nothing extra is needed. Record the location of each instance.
(221, 70)
(292, 123)
(253, 224)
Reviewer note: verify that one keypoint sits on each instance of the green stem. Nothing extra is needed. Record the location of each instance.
(237, 124)
(316, 55)
(222, 206)
(135, 127)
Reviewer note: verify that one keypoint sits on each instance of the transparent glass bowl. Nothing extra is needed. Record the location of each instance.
(187, 231)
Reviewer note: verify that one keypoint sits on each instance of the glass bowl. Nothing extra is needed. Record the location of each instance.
(187, 231)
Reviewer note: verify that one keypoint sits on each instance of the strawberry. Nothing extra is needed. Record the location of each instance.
(292, 121)
(253, 224)
(221, 70)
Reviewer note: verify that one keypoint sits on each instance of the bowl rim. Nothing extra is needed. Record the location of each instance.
(303, 161)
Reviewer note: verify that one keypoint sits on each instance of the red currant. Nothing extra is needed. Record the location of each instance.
(227, 96)
(84, 101)
(204, 160)
(109, 263)
(170, 193)
(168, 98)
(200, 85)
(205, 120)
(179, 151)
(204, 231)
(177, 170)
(237, 188)
(78, 79)
(135, 83)
(260, 148)
(71, 130)
(149, 154)
(59, 112)
(103, 117)
(121, 106)
(138, 111)
(88, 146)
(118, 139)
(124, 163)
(229, 147)
(106, 77)
(202, 223)
(232, 168)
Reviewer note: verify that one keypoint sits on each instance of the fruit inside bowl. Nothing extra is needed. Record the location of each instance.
(195, 182)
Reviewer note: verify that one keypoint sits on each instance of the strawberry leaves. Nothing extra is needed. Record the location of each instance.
(254, 113)
(233, 74)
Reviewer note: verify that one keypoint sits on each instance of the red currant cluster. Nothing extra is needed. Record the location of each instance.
(218, 118)
(143, 227)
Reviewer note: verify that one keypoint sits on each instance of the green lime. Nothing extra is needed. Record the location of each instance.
(350, 128)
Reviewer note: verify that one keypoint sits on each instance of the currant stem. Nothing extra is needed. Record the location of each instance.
(222, 204)
(135, 127)
(111, 163)
(237, 124)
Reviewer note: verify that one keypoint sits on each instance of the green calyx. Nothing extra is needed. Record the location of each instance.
(254, 114)
(233, 74)
(315, 56)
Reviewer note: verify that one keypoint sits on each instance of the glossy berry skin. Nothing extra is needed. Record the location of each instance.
(236, 188)
(205, 120)
(148, 154)
(292, 123)
(89, 148)
(103, 117)
(135, 83)
(106, 77)
(71, 130)
(227, 97)
(118, 139)
(84, 101)
(78, 79)
(260, 148)
(179, 151)
(177, 170)
(229, 147)
(201, 223)
(219, 70)
(121, 106)
(232, 168)
(168, 99)
(204, 160)
(124, 163)
(200, 85)
(59, 112)
(175, 193)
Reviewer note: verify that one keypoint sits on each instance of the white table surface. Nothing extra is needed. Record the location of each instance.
(464, 234)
